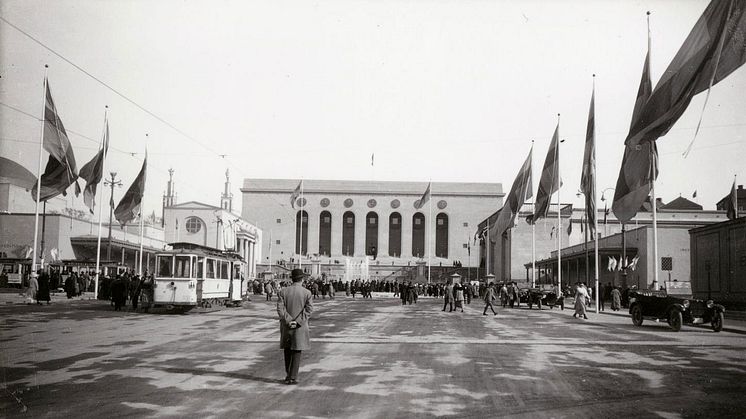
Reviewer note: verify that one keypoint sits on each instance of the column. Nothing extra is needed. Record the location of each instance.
(383, 235)
(336, 228)
(360, 233)
(406, 233)
(313, 231)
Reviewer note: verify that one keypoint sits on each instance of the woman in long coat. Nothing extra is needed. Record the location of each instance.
(581, 297)
(43, 293)
(616, 299)
(458, 292)
(33, 288)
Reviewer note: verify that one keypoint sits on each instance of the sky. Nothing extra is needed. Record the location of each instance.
(438, 90)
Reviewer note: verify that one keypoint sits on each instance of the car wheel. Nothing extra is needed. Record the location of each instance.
(717, 322)
(675, 320)
(636, 315)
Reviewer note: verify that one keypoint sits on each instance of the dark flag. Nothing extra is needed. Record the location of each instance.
(715, 48)
(519, 193)
(93, 171)
(588, 178)
(606, 213)
(732, 210)
(639, 164)
(130, 205)
(550, 181)
(425, 197)
(569, 228)
(694, 195)
(296, 193)
(61, 170)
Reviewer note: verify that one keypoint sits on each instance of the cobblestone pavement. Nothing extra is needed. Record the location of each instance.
(370, 359)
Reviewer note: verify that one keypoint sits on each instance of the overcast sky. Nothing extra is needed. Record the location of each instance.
(441, 90)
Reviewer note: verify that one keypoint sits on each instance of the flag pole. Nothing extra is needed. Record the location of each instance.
(559, 214)
(38, 180)
(300, 229)
(100, 212)
(655, 229)
(533, 224)
(595, 202)
(429, 233)
(735, 204)
(142, 208)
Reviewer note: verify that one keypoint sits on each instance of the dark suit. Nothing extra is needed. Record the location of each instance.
(294, 303)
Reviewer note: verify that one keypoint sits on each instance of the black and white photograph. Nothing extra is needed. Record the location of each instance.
(372, 209)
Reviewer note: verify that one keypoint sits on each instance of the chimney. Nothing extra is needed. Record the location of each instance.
(740, 187)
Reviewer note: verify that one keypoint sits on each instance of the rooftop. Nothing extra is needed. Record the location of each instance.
(372, 187)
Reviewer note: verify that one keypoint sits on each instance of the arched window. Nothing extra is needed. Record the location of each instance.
(441, 235)
(348, 233)
(395, 234)
(325, 233)
(418, 235)
(371, 234)
(301, 232)
(193, 225)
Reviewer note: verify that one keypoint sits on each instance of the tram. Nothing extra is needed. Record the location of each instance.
(191, 276)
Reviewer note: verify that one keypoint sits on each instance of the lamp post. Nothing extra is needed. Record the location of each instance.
(111, 183)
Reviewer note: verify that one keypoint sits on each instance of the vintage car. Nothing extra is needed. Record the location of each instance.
(675, 305)
(545, 295)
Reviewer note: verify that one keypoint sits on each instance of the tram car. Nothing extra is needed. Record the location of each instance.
(191, 276)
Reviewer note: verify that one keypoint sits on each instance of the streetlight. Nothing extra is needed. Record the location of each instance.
(111, 183)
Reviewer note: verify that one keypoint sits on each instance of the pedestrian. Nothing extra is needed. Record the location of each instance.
(448, 297)
(616, 299)
(70, 284)
(268, 290)
(43, 293)
(32, 290)
(118, 293)
(489, 295)
(294, 307)
(581, 300)
(458, 294)
(503, 295)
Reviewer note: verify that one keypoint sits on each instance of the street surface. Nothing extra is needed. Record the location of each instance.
(370, 359)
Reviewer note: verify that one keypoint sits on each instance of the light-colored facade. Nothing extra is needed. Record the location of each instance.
(358, 219)
(215, 227)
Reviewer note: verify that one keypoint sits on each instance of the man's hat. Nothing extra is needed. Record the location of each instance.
(297, 274)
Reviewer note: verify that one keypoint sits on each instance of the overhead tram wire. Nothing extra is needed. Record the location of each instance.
(115, 91)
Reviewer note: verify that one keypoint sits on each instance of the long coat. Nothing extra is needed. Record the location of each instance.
(294, 302)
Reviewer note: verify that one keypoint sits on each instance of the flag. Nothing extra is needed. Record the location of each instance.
(551, 233)
(61, 170)
(372, 158)
(612, 264)
(588, 178)
(732, 211)
(606, 214)
(296, 193)
(177, 224)
(130, 205)
(550, 179)
(569, 228)
(582, 221)
(694, 195)
(519, 193)
(93, 171)
(639, 164)
(425, 197)
(618, 264)
(633, 264)
(715, 48)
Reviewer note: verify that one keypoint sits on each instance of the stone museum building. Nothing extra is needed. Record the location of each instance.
(337, 219)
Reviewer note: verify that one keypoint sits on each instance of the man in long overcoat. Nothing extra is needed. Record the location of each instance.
(294, 307)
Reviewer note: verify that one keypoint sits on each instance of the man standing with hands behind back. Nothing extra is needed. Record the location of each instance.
(294, 307)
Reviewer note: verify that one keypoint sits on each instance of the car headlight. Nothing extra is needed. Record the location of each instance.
(710, 303)
(632, 300)
(685, 304)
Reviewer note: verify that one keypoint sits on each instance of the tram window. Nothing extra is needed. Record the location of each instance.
(182, 266)
(197, 269)
(225, 271)
(164, 266)
(210, 268)
(236, 271)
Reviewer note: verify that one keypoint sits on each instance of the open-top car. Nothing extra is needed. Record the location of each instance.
(545, 295)
(675, 305)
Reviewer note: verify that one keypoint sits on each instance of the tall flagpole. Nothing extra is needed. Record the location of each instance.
(595, 203)
(38, 180)
(559, 214)
(100, 212)
(735, 204)
(429, 233)
(300, 242)
(533, 224)
(142, 213)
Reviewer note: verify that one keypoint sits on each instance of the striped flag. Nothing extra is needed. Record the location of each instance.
(639, 164)
(520, 191)
(550, 181)
(93, 171)
(61, 170)
(130, 205)
(588, 178)
(296, 193)
(425, 197)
